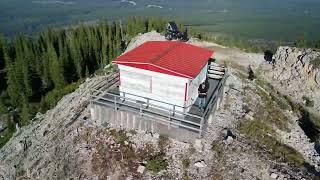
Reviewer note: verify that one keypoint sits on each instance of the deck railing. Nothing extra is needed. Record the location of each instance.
(168, 116)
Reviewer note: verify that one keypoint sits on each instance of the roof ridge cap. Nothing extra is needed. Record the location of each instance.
(170, 48)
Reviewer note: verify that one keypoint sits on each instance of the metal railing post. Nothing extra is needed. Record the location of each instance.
(141, 112)
(201, 127)
(148, 102)
(115, 103)
(174, 110)
(124, 96)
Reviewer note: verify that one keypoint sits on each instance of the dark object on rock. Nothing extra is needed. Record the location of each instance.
(172, 32)
(251, 73)
(317, 147)
(268, 56)
(45, 132)
(226, 133)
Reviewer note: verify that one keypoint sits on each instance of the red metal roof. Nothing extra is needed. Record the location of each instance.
(168, 57)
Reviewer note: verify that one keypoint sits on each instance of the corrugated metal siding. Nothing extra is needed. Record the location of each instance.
(134, 80)
(166, 88)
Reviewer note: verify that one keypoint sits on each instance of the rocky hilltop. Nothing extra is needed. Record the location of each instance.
(254, 134)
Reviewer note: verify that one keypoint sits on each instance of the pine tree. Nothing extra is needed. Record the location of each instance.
(104, 45)
(110, 44)
(55, 70)
(13, 86)
(34, 67)
(1, 53)
(75, 53)
(25, 115)
(3, 84)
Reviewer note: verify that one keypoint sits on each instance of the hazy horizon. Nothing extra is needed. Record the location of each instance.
(269, 20)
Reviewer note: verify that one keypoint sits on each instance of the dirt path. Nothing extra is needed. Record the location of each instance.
(232, 55)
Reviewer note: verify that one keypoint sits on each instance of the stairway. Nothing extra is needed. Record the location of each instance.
(216, 71)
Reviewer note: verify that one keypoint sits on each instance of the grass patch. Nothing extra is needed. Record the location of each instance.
(147, 152)
(119, 136)
(157, 163)
(217, 147)
(234, 42)
(266, 115)
(271, 111)
(280, 100)
(132, 131)
(308, 101)
(241, 75)
(304, 113)
(315, 118)
(294, 106)
(263, 134)
(310, 116)
(163, 143)
(186, 163)
(315, 63)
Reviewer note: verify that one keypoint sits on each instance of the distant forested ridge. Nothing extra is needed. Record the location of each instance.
(36, 71)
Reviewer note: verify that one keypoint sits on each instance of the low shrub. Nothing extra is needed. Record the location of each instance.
(54, 96)
(308, 101)
(157, 163)
(120, 136)
(5, 137)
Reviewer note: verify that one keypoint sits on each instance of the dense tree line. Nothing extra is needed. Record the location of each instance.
(33, 68)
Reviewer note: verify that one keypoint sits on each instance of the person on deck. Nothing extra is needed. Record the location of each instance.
(202, 95)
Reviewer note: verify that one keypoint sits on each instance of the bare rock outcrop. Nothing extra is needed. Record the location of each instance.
(297, 74)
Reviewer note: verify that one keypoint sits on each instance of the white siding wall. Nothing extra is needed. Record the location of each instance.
(194, 85)
(162, 87)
